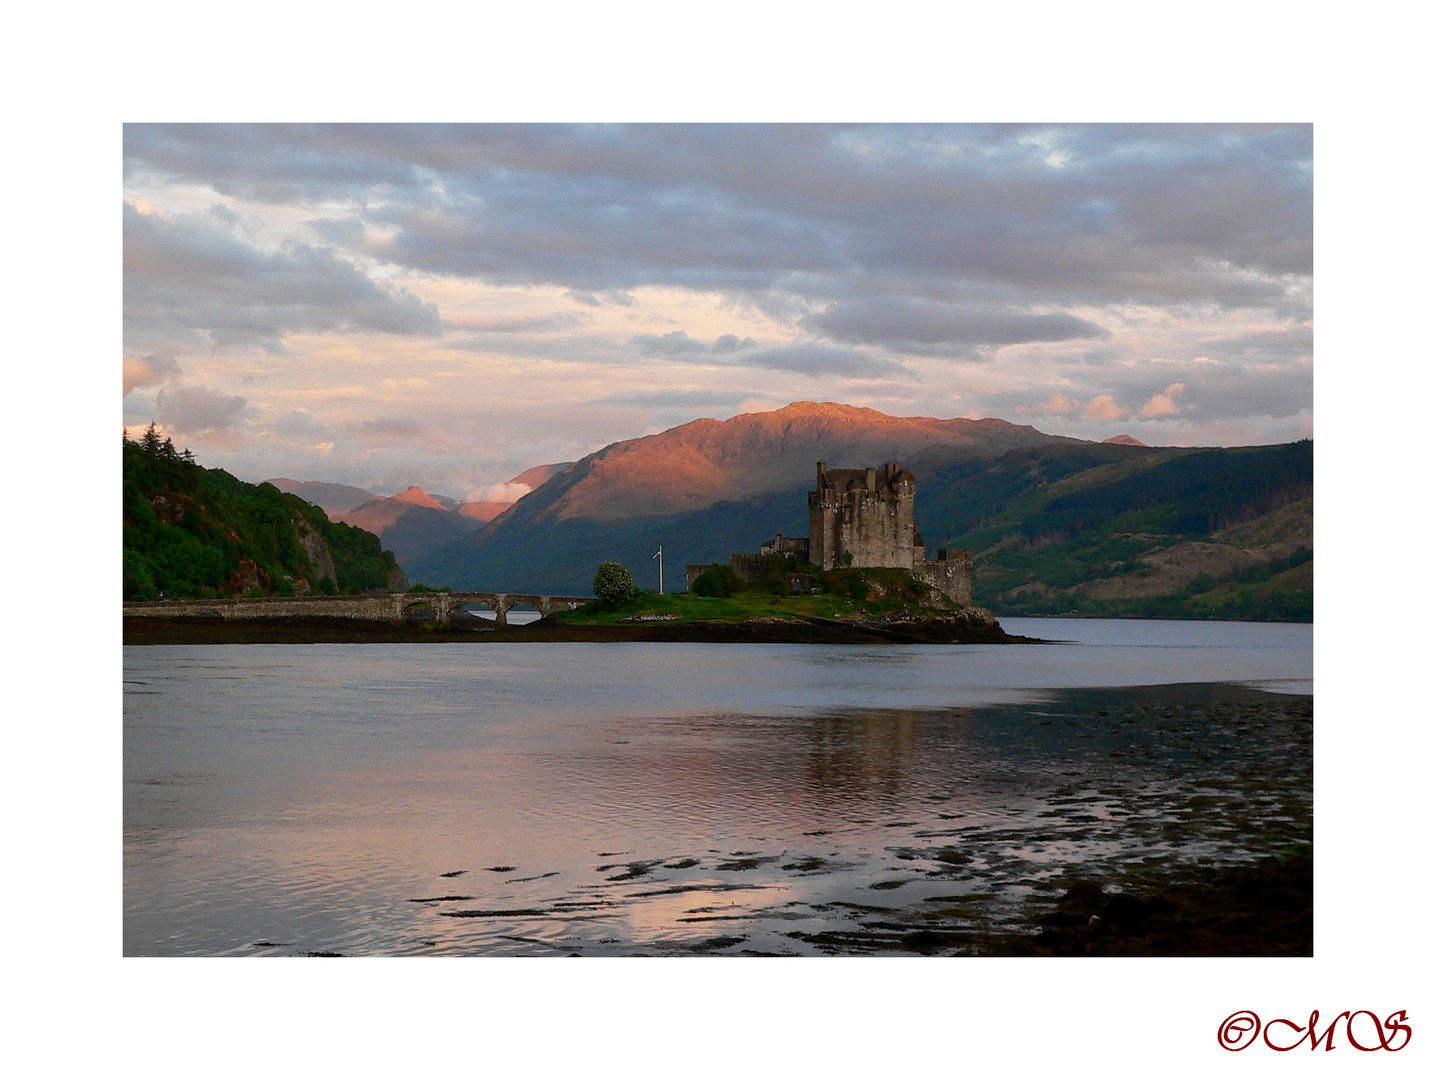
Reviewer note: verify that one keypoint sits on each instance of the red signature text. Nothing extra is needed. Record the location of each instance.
(1362, 1030)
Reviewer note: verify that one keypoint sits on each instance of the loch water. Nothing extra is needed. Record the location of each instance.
(640, 798)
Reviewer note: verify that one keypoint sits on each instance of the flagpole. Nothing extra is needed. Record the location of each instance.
(659, 557)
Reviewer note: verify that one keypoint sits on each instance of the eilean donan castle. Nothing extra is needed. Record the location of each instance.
(862, 517)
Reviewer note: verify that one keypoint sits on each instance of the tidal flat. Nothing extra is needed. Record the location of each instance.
(1180, 820)
(650, 799)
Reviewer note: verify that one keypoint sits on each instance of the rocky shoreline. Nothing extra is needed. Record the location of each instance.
(957, 629)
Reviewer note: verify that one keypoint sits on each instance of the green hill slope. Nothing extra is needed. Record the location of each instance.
(201, 533)
(1116, 530)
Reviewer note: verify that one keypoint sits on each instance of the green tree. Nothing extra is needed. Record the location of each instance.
(613, 584)
(717, 581)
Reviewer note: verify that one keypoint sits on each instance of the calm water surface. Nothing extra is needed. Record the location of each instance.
(675, 798)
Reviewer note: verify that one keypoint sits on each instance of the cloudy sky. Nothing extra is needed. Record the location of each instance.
(448, 306)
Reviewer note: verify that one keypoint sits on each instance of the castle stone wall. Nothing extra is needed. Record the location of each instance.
(865, 513)
(950, 574)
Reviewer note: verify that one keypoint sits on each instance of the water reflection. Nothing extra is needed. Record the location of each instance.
(861, 757)
(393, 800)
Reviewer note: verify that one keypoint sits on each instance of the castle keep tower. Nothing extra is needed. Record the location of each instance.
(860, 517)
(863, 513)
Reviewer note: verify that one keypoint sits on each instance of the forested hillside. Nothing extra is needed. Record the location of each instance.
(1117, 530)
(196, 532)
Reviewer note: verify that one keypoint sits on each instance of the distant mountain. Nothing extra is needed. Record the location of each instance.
(1057, 525)
(540, 474)
(703, 490)
(411, 524)
(483, 512)
(331, 498)
(417, 496)
(1124, 440)
(415, 522)
(691, 467)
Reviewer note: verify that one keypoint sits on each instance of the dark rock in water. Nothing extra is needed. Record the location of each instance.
(501, 869)
(454, 873)
(1083, 898)
(926, 941)
(806, 864)
(714, 943)
(682, 864)
(747, 863)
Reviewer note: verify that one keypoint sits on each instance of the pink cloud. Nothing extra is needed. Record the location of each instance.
(1163, 404)
(1056, 405)
(1102, 407)
(148, 370)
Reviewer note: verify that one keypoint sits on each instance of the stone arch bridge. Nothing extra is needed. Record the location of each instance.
(438, 607)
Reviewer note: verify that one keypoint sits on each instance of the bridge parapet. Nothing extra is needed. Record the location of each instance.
(381, 607)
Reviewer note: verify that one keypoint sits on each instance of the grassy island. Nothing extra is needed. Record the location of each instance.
(856, 603)
(855, 594)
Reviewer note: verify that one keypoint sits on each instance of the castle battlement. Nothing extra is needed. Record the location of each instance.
(862, 517)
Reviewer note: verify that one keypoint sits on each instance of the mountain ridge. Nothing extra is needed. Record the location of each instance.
(694, 465)
(1045, 516)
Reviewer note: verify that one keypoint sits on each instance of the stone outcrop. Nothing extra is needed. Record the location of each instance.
(316, 548)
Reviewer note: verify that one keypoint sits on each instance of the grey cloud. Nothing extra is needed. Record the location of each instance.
(1294, 341)
(699, 399)
(188, 280)
(1091, 358)
(912, 325)
(1208, 393)
(1233, 392)
(389, 425)
(727, 343)
(1058, 214)
(196, 410)
(672, 346)
(817, 360)
(677, 345)
(297, 424)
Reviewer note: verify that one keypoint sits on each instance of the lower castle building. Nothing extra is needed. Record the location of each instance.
(862, 517)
